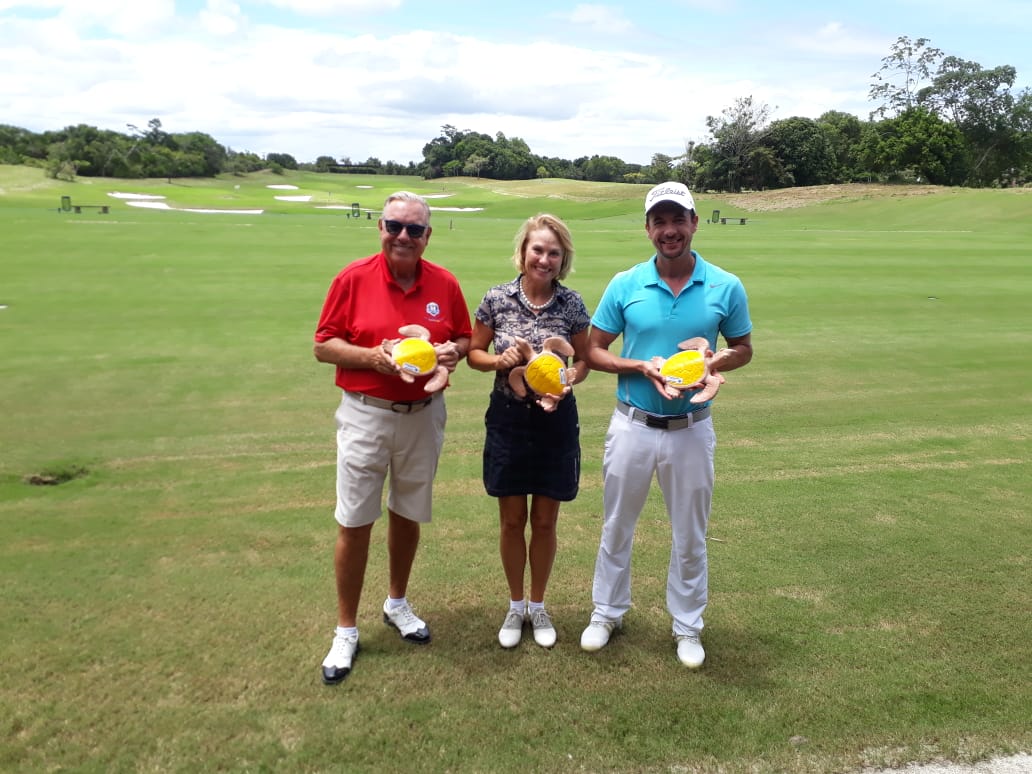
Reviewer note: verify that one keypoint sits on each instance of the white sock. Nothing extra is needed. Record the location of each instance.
(518, 605)
(393, 603)
(537, 606)
(347, 631)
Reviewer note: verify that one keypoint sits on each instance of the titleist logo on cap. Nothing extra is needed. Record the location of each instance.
(677, 193)
(661, 190)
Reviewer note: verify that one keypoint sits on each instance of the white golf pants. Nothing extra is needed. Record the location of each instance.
(682, 462)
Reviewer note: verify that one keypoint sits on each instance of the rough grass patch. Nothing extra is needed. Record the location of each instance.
(56, 475)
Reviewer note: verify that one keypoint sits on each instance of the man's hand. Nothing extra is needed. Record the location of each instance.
(382, 361)
(447, 355)
(706, 388)
(650, 369)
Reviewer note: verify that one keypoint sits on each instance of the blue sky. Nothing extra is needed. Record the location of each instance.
(361, 78)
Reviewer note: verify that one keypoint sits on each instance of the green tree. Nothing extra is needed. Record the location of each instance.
(561, 168)
(685, 168)
(452, 168)
(843, 131)
(158, 161)
(916, 146)
(764, 169)
(157, 136)
(94, 152)
(474, 145)
(18, 144)
(240, 163)
(908, 65)
(211, 153)
(284, 160)
(736, 132)
(474, 164)
(660, 170)
(1021, 172)
(604, 169)
(500, 158)
(512, 159)
(981, 104)
(62, 170)
(60, 162)
(325, 163)
(439, 151)
(804, 152)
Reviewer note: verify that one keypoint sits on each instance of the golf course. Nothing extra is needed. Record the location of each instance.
(167, 459)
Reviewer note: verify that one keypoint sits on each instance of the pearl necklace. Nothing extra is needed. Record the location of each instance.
(532, 306)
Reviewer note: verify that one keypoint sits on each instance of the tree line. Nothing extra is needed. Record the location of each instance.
(938, 119)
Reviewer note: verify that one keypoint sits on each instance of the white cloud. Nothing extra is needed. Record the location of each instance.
(8, 5)
(221, 18)
(311, 93)
(329, 7)
(837, 39)
(336, 87)
(600, 18)
(126, 18)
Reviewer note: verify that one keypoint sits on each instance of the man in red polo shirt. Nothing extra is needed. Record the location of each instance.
(388, 430)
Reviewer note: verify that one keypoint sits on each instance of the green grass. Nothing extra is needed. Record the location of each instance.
(166, 605)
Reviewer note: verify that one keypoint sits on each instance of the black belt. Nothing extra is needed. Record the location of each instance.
(659, 422)
(397, 406)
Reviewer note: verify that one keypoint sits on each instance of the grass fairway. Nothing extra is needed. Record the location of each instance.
(167, 579)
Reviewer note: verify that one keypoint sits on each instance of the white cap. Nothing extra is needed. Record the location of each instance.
(677, 193)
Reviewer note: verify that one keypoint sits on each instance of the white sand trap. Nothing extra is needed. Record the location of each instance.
(283, 187)
(121, 195)
(457, 209)
(363, 186)
(333, 207)
(150, 205)
(293, 198)
(164, 206)
(221, 212)
(437, 196)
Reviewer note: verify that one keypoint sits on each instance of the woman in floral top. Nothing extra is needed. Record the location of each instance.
(531, 453)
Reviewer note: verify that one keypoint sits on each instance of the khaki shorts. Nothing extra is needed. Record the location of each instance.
(377, 445)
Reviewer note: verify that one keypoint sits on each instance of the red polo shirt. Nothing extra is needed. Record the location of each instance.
(365, 305)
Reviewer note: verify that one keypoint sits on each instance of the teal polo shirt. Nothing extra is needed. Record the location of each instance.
(638, 305)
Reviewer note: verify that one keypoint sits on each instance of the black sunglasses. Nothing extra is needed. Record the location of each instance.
(394, 227)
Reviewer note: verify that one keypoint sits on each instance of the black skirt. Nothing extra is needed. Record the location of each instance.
(528, 451)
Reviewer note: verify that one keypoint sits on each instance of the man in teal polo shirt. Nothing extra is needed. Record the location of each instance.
(655, 305)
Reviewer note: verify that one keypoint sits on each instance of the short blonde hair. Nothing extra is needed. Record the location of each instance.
(557, 227)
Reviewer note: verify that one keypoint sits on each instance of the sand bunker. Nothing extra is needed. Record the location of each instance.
(148, 201)
(432, 209)
(121, 195)
(150, 205)
(164, 206)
